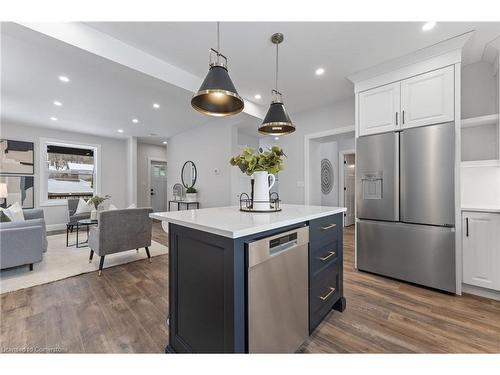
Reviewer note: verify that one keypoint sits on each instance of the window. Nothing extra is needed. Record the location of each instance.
(69, 171)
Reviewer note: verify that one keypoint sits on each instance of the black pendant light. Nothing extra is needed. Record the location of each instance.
(217, 95)
(277, 121)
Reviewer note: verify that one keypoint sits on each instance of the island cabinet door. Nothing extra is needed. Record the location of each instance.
(206, 292)
(325, 268)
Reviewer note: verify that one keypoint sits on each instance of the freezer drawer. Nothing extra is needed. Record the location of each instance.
(420, 254)
(377, 177)
(427, 175)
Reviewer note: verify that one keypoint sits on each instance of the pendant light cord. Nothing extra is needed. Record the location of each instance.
(218, 42)
(277, 56)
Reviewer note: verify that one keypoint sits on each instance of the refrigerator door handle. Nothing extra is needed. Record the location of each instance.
(466, 227)
(397, 169)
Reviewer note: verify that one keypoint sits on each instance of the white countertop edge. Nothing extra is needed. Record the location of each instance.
(481, 209)
(248, 231)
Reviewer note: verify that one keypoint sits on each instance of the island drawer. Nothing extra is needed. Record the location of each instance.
(322, 255)
(324, 292)
(325, 228)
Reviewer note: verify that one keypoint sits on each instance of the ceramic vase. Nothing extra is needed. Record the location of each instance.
(261, 190)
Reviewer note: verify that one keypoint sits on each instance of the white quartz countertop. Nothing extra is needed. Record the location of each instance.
(233, 223)
(482, 209)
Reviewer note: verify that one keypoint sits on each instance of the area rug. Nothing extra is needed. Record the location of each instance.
(60, 262)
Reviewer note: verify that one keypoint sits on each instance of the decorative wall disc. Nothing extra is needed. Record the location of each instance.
(326, 176)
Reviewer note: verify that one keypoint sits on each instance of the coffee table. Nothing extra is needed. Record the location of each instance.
(85, 223)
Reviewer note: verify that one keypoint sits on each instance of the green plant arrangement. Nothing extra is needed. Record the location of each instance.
(97, 200)
(251, 160)
(191, 190)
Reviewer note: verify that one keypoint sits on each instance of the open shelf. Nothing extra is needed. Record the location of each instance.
(480, 121)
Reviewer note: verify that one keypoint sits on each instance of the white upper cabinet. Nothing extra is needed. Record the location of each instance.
(428, 98)
(379, 109)
(481, 249)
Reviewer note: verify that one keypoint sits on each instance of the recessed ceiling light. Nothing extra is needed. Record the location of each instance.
(276, 138)
(53, 118)
(120, 130)
(428, 26)
(135, 121)
(258, 96)
(164, 142)
(63, 79)
(320, 71)
(156, 105)
(57, 103)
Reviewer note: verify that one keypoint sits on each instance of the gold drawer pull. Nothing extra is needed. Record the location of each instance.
(325, 297)
(330, 254)
(330, 226)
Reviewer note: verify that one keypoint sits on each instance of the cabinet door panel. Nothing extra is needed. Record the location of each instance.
(481, 249)
(428, 98)
(379, 109)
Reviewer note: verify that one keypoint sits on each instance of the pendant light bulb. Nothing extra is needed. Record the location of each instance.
(217, 95)
(277, 121)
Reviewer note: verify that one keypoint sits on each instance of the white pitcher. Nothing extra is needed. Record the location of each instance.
(261, 189)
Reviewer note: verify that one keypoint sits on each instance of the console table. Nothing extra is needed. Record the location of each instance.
(187, 204)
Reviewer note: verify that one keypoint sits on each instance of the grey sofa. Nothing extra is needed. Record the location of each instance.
(120, 230)
(23, 242)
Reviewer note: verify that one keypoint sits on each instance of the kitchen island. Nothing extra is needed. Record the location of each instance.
(244, 282)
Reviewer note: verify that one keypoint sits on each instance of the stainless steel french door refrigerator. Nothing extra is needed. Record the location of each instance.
(405, 205)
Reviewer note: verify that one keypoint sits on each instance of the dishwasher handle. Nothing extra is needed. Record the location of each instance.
(283, 247)
(266, 248)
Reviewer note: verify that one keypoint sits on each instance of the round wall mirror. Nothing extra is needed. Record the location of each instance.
(188, 174)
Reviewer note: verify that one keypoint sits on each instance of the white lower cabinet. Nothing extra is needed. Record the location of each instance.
(481, 249)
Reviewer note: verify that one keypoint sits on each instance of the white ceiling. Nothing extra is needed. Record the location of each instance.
(104, 96)
(341, 48)
(100, 98)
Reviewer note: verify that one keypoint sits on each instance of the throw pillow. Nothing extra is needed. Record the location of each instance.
(15, 212)
(3, 216)
(83, 207)
(112, 207)
(132, 206)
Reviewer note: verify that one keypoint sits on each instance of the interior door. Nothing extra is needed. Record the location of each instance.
(378, 109)
(428, 175)
(428, 98)
(349, 188)
(481, 249)
(158, 186)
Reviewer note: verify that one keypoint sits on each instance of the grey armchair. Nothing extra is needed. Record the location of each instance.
(23, 242)
(120, 230)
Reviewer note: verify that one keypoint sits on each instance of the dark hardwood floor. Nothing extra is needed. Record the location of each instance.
(124, 311)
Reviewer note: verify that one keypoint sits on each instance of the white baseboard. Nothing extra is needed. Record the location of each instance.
(54, 227)
(481, 292)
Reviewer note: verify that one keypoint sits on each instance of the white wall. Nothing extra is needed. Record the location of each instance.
(113, 164)
(479, 98)
(210, 148)
(144, 154)
(480, 186)
(329, 150)
(336, 115)
(479, 90)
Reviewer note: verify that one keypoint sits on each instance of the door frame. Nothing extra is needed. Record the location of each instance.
(151, 159)
(341, 180)
(308, 138)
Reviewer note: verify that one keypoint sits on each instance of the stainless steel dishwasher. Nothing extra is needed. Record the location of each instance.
(278, 320)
